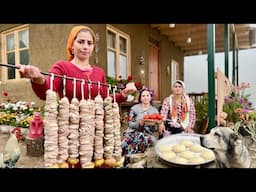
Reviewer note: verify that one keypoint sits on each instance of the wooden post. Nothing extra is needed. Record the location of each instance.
(35, 147)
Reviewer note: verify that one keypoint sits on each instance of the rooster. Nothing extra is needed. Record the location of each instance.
(12, 151)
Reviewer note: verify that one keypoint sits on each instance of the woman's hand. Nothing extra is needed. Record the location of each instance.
(189, 130)
(129, 89)
(141, 122)
(161, 128)
(159, 122)
(31, 72)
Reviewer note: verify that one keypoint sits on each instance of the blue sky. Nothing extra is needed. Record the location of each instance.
(196, 71)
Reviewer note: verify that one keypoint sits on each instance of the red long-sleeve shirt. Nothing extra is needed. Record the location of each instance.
(70, 70)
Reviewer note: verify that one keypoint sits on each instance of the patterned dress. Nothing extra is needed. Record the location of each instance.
(137, 138)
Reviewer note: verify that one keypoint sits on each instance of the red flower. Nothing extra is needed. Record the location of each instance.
(129, 78)
(5, 93)
(138, 85)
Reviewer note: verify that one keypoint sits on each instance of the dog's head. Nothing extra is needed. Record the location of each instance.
(228, 147)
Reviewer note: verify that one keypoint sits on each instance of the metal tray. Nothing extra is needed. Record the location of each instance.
(174, 139)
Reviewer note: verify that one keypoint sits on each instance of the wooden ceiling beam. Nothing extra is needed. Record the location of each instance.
(193, 39)
(180, 31)
(198, 33)
(160, 26)
(204, 51)
(201, 47)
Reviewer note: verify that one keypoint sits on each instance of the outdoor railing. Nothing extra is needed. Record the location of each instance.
(223, 89)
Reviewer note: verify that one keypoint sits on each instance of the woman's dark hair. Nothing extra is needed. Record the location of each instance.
(151, 92)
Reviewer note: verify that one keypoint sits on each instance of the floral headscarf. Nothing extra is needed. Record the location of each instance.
(151, 92)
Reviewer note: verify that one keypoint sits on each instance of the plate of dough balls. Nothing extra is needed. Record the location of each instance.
(183, 149)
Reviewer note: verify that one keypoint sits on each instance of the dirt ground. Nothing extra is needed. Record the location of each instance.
(25, 161)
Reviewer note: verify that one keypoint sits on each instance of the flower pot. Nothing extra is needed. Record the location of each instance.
(243, 131)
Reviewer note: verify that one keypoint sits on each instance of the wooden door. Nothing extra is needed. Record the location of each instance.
(153, 69)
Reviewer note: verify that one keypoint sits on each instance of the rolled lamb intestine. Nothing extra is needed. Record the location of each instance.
(99, 128)
(91, 104)
(87, 131)
(63, 131)
(108, 131)
(73, 136)
(50, 129)
(117, 134)
(84, 139)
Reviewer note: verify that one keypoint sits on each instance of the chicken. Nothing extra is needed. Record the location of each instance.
(2, 165)
(12, 151)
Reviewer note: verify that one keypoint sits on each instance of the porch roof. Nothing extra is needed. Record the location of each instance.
(198, 33)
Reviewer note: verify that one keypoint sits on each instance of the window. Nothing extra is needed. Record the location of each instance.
(15, 44)
(118, 45)
(175, 71)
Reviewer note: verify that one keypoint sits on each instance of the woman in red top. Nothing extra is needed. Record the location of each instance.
(80, 46)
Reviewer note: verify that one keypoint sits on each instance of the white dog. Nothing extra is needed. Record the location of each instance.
(228, 147)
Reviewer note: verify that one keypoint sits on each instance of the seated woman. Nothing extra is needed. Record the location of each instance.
(178, 111)
(139, 136)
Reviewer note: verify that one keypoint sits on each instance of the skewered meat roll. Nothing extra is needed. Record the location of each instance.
(99, 128)
(63, 131)
(50, 129)
(86, 132)
(109, 131)
(117, 134)
(73, 136)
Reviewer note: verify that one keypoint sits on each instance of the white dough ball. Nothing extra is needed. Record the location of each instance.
(180, 160)
(196, 148)
(186, 143)
(168, 155)
(187, 154)
(165, 148)
(196, 160)
(208, 155)
(178, 148)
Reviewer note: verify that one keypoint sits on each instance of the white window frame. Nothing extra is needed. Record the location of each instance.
(118, 52)
(14, 31)
(175, 70)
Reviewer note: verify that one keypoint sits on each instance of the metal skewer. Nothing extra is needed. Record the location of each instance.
(60, 76)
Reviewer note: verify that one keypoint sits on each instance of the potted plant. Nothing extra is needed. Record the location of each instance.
(237, 104)
(249, 129)
(201, 107)
(246, 125)
(15, 114)
(121, 83)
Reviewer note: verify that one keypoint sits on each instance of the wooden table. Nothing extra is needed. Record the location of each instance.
(125, 106)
